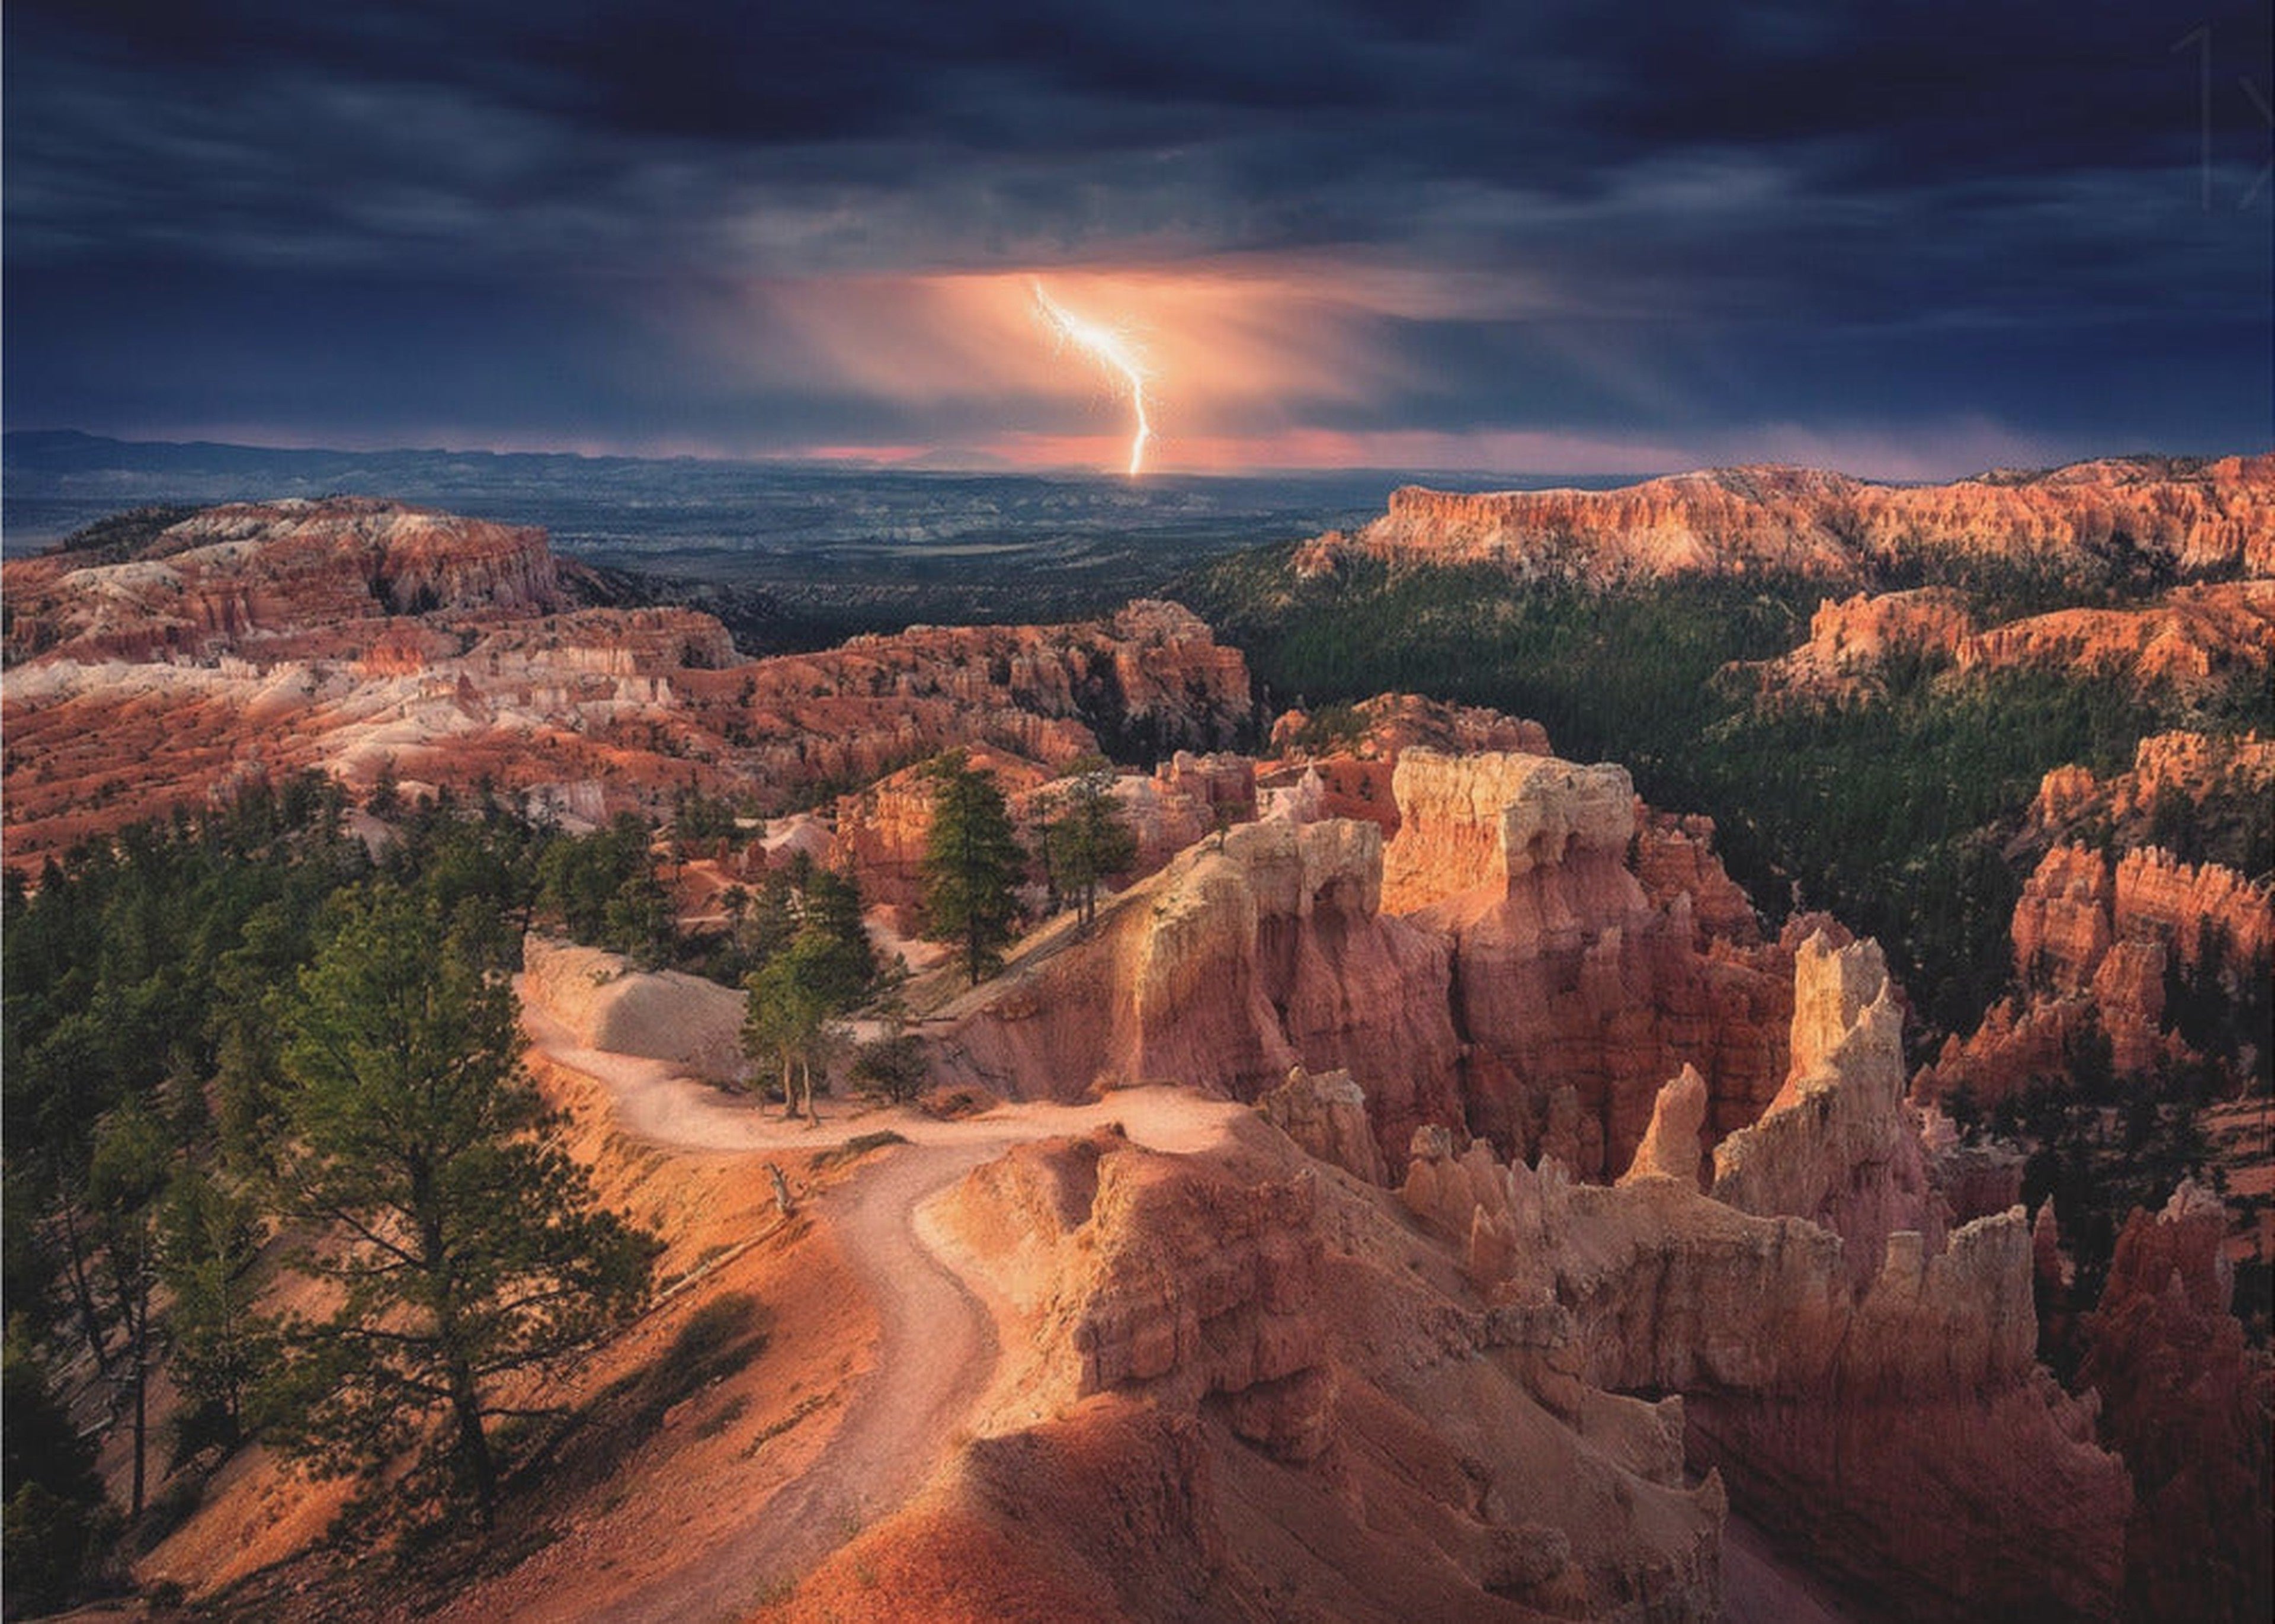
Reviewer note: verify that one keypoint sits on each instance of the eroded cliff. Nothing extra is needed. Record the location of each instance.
(357, 637)
(2189, 516)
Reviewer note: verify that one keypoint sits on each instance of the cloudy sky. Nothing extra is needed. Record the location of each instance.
(1909, 239)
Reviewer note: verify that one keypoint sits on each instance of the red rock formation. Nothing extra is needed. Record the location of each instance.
(1326, 1115)
(1927, 1414)
(1351, 777)
(1390, 722)
(1332, 1377)
(883, 830)
(2194, 516)
(2092, 942)
(2190, 767)
(304, 657)
(2190, 638)
(1900, 1430)
(1183, 801)
(1838, 1145)
(1851, 640)
(2179, 905)
(1241, 959)
(1671, 1147)
(1672, 855)
(233, 577)
(1975, 1180)
(2190, 1409)
(1579, 993)
(1486, 821)
(1330, 787)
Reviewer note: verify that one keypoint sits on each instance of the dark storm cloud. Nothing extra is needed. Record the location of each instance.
(1767, 212)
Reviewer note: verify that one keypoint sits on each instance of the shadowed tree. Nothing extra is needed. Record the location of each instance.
(825, 970)
(125, 1175)
(972, 864)
(209, 1235)
(55, 1521)
(467, 1245)
(1084, 836)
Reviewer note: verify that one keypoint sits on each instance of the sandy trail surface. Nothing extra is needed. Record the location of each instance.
(655, 1100)
(937, 1347)
(939, 1339)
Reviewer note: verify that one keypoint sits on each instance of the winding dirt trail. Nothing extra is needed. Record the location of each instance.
(939, 1340)
(936, 1349)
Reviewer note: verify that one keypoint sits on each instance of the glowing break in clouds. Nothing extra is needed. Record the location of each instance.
(1111, 350)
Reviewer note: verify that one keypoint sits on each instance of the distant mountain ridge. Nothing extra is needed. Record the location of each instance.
(2183, 517)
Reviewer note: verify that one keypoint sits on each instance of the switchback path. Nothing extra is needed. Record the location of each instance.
(939, 1342)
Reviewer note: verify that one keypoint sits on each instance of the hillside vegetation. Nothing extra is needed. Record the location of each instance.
(1896, 811)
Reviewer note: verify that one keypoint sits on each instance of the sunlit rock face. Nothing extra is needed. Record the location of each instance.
(1579, 988)
(1246, 956)
(238, 578)
(1535, 990)
(2192, 517)
(1862, 1374)
(1321, 1367)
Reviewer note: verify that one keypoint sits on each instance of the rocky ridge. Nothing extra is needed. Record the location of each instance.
(2188, 640)
(2096, 939)
(1578, 990)
(248, 576)
(1266, 1328)
(1865, 1377)
(1241, 959)
(1532, 991)
(1319, 1368)
(354, 636)
(2190, 517)
(880, 831)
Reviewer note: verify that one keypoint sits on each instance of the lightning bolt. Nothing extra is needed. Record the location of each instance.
(1110, 350)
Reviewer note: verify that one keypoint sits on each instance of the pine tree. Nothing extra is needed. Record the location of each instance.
(824, 971)
(209, 1235)
(1085, 837)
(467, 1245)
(55, 1521)
(125, 1175)
(973, 864)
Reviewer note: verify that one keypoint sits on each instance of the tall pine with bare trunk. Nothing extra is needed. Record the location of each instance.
(465, 1246)
(973, 864)
(1085, 840)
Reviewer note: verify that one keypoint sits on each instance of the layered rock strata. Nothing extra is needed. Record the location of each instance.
(358, 637)
(1354, 1432)
(2189, 640)
(1865, 1381)
(1577, 991)
(2185, 517)
(1535, 992)
(1244, 957)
